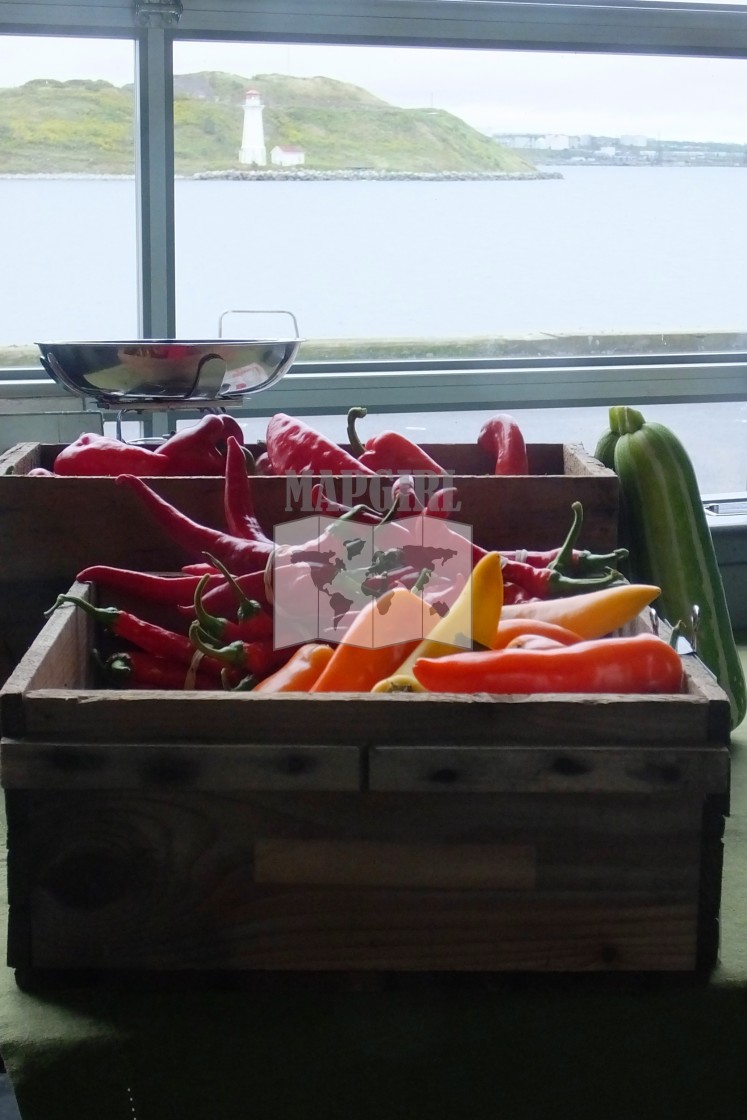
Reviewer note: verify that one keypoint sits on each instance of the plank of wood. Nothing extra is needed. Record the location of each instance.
(332, 930)
(208, 765)
(168, 879)
(338, 719)
(595, 769)
(359, 863)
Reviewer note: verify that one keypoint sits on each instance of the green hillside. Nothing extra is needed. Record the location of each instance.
(85, 127)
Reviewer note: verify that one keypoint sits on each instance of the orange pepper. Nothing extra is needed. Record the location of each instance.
(377, 641)
(300, 671)
(643, 663)
(511, 628)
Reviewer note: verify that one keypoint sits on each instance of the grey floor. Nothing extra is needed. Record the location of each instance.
(8, 1106)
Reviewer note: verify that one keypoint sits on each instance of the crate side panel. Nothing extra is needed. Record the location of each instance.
(118, 880)
(169, 765)
(365, 719)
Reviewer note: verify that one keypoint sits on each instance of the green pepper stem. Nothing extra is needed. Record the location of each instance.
(564, 558)
(232, 655)
(209, 623)
(247, 607)
(107, 616)
(356, 413)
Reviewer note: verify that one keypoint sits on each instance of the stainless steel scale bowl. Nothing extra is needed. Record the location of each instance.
(162, 373)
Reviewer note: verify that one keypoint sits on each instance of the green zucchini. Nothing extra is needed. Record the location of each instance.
(671, 545)
(605, 449)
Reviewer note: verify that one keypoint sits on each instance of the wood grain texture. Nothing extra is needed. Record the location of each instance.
(368, 863)
(168, 881)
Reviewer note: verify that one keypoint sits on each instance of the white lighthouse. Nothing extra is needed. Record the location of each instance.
(253, 137)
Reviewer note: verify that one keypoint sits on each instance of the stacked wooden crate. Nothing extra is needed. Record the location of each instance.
(418, 832)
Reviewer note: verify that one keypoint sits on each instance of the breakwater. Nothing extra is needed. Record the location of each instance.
(369, 173)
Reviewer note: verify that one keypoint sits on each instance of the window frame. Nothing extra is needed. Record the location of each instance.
(635, 27)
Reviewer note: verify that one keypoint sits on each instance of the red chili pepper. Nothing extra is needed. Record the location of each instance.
(239, 555)
(94, 455)
(578, 561)
(321, 503)
(502, 439)
(296, 448)
(222, 599)
(238, 500)
(143, 634)
(643, 663)
(174, 590)
(258, 658)
(389, 451)
(200, 449)
(548, 583)
(253, 622)
(137, 669)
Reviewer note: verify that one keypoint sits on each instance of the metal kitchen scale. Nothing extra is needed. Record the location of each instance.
(160, 374)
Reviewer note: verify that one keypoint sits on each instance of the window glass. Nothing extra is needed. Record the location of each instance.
(437, 203)
(67, 192)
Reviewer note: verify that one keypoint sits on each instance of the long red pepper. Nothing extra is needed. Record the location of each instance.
(547, 583)
(138, 669)
(238, 554)
(296, 448)
(238, 501)
(199, 449)
(222, 599)
(251, 625)
(258, 658)
(322, 503)
(580, 561)
(143, 634)
(502, 439)
(94, 454)
(389, 451)
(176, 590)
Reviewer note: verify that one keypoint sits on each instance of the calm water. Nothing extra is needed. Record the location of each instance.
(603, 249)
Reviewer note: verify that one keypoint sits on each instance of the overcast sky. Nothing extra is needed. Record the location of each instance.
(495, 91)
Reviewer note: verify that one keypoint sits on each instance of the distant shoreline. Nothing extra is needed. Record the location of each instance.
(305, 175)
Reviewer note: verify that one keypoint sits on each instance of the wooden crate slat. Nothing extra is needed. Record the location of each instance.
(168, 881)
(593, 769)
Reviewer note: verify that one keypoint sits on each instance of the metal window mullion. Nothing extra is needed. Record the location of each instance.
(154, 124)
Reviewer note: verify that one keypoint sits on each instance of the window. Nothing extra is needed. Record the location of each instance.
(612, 275)
(430, 203)
(67, 191)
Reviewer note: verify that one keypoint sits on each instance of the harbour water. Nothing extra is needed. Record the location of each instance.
(623, 249)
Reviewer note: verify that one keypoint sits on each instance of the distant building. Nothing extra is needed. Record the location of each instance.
(287, 155)
(634, 141)
(253, 137)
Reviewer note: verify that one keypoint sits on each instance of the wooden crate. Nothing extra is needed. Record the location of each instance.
(364, 832)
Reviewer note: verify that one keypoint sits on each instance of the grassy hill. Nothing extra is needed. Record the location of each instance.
(49, 127)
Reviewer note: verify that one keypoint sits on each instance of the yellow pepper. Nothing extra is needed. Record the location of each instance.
(474, 614)
(591, 614)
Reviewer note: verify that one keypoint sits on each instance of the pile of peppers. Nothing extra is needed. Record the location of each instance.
(538, 621)
(290, 447)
